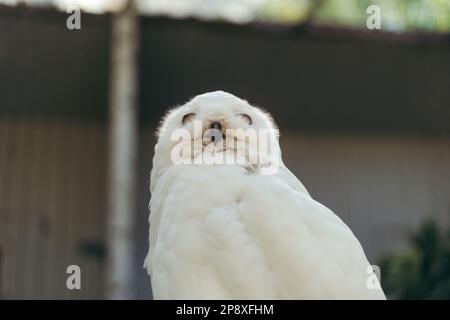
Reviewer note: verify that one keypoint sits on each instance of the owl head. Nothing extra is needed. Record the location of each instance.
(216, 128)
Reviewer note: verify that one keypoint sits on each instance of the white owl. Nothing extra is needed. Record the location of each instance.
(229, 230)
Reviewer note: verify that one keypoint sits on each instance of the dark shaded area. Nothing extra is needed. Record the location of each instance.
(308, 77)
(46, 69)
(94, 249)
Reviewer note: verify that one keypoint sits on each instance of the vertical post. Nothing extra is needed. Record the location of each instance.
(122, 154)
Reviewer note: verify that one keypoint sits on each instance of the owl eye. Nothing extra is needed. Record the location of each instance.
(246, 117)
(187, 117)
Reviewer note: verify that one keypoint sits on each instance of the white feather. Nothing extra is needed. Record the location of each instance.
(220, 232)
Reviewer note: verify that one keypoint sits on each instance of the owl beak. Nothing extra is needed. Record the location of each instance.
(215, 132)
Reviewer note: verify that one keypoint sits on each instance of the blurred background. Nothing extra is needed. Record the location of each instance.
(364, 118)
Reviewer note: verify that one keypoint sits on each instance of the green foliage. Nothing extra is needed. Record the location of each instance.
(396, 15)
(423, 271)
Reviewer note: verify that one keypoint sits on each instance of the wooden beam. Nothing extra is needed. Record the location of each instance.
(123, 154)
